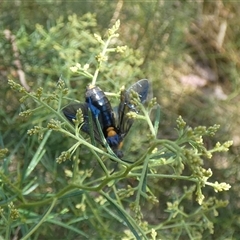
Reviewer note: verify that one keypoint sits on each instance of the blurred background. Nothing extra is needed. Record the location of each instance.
(188, 50)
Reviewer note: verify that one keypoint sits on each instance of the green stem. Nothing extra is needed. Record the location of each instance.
(148, 120)
(38, 155)
(85, 143)
(142, 179)
(42, 220)
(132, 221)
(103, 53)
(189, 178)
(16, 190)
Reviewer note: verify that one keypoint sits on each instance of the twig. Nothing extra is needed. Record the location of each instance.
(9, 36)
(117, 11)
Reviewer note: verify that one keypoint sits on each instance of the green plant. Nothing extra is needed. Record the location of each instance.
(90, 201)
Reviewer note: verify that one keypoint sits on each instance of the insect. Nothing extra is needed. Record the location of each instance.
(124, 123)
(114, 124)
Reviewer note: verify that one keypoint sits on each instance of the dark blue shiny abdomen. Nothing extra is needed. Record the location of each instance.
(100, 106)
(101, 109)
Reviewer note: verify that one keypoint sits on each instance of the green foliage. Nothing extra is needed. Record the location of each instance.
(65, 187)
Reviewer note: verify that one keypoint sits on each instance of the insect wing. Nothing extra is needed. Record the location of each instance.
(71, 110)
(89, 125)
(124, 122)
(142, 88)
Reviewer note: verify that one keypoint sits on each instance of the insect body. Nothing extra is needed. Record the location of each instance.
(114, 126)
(100, 107)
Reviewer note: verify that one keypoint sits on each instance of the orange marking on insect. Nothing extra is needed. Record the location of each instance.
(120, 145)
(111, 132)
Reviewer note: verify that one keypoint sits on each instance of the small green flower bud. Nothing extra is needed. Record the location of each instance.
(101, 58)
(26, 113)
(3, 152)
(98, 38)
(54, 125)
(121, 49)
(63, 157)
(180, 123)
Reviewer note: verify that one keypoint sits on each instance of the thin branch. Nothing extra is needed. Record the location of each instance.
(9, 36)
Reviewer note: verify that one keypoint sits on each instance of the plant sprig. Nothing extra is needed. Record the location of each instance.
(186, 152)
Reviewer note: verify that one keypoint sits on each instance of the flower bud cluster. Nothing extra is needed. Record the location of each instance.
(14, 214)
(101, 58)
(26, 113)
(195, 162)
(16, 86)
(54, 125)
(115, 27)
(3, 152)
(34, 130)
(180, 123)
(39, 92)
(63, 157)
(126, 193)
